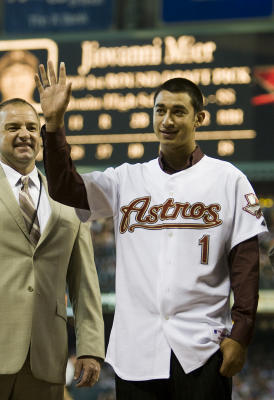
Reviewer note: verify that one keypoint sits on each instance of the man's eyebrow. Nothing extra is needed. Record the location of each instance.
(159, 105)
(180, 106)
(11, 123)
(18, 123)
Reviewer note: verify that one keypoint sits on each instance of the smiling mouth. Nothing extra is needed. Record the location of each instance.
(23, 145)
(168, 133)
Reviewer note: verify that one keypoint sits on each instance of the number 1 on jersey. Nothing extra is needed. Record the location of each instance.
(204, 242)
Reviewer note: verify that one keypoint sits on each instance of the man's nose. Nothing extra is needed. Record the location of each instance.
(167, 120)
(23, 132)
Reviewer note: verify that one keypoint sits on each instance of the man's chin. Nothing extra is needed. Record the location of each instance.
(169, 143)
(26, 154)
(25, 159)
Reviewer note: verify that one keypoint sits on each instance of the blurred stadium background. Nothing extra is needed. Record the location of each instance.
(116, 53)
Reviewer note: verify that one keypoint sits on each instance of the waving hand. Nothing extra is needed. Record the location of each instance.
(54, 95)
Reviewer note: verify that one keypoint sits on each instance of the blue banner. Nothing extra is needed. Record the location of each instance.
(198, 10)
(27, 16)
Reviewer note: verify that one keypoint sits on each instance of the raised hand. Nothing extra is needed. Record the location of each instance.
(54, 95)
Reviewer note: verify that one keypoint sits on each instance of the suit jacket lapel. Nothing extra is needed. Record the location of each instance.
(8, 198)
(55, 213)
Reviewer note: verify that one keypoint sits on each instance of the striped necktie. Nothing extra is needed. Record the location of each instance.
(29, 211)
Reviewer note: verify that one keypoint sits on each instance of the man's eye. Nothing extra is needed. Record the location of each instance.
(160, 111)
(32, 128)
(179, 113)
(12, 128)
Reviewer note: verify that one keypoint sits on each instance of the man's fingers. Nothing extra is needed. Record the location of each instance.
(38, 84)
(224, 370)
(90, 377)
(68, 93)
(230, 368)
(78, 368)
(47, 81)
(94, 379)
(90, 371)
(44, 77)
(62, 74)
(50, 79)
(228, 373)
(52, 75)
(85, 379)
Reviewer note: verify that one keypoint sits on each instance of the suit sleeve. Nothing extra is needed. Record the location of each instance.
(85, 297)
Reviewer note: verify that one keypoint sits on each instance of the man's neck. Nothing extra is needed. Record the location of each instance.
(22, 170)
(176, 159)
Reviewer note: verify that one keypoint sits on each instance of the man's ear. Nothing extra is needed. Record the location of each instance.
(199, 118)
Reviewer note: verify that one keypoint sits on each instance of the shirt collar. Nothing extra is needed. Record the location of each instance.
(14, 176)
(193, 158)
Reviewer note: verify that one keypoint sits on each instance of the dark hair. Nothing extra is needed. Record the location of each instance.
(17, 100)
(177, 85)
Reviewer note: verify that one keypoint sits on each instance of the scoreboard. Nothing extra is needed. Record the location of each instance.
(109, 119)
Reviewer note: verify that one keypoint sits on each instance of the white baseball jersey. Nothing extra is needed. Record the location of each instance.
(173, 236)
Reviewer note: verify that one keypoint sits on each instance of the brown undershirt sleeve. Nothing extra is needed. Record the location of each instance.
(244, 276)
(64, 183)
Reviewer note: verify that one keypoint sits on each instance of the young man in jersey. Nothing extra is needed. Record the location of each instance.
(186, 230)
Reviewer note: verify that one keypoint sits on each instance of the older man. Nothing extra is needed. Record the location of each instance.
(43, 250)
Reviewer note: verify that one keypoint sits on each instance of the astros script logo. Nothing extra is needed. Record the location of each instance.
(156, 216)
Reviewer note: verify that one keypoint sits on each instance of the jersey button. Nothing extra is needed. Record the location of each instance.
(170, 234)
(30, 289)
(166, 317)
